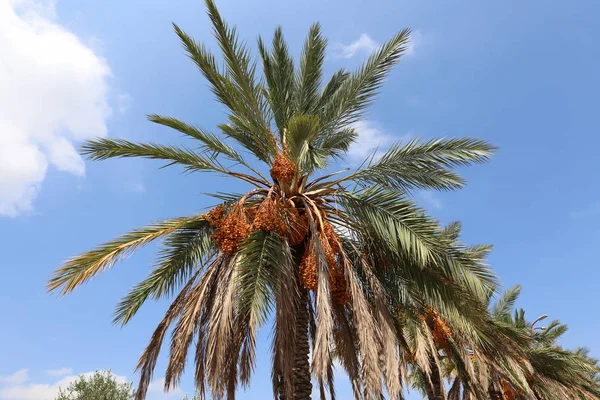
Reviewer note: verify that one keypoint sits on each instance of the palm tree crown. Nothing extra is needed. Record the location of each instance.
(344, 264)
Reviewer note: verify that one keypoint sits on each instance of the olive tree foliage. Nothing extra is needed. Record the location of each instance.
(102, 385)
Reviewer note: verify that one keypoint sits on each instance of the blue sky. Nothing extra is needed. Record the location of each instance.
(522, 75)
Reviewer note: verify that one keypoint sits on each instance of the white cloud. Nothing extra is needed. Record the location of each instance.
(17, 378)
(366, 45)
(363, 45)
(371, 138)
(53, 92)
(59, 372)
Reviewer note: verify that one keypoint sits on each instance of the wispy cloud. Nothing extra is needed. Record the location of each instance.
(124, 102)
(138, 188)
(372, 141)
(590, 211)
(365, 45)
(55, 94)
(371, 138)
(416, 40)
(59, 372)
(17, 378)
(431, 199)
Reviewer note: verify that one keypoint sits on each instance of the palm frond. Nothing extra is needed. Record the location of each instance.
(82, 268)
(278, 68)
(357, 92)
(425, 165)
(103, 149)
(263, 259)
(244, 126)
(506, 303)
(392, 221)
(183, 252)
(210, 141)
(310, 72)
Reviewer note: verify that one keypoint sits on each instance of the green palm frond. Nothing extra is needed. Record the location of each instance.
(357, 92)
(80, 269)
(261, 260)
(241, 68)
(211, 142)
(183, 251)
(311, 70)
(299, 139)
(506, 303)
(393, 221)
(424, 165)
(278, 68)
(335, 82)
(103, 149)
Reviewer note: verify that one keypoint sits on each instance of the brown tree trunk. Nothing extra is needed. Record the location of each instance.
(435, 390)
(495, 394)
(302, 382)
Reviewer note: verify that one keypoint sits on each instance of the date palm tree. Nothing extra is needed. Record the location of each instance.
(323, 256)
(535, 366)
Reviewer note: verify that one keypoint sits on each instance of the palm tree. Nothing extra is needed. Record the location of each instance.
(454, 342)
(536, 367)
(324, 256)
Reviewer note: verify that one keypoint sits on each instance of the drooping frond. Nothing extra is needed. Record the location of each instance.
(80, 269)
(391, 220)
(183, 251)
(264, 260)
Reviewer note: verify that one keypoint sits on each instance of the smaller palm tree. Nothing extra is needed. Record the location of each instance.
(535, 367)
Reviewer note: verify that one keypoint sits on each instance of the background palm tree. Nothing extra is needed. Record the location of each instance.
(332, 258)
(534, 367)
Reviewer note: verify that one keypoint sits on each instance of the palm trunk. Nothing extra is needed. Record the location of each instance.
(495, 394)
(435, 390)
(302, 382)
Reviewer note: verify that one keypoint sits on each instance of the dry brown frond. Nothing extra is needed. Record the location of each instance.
(363, 320)
(147, 361)
(220, 327)
(385, 321)
(346, 350)
(322, 350)
(196, 305)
